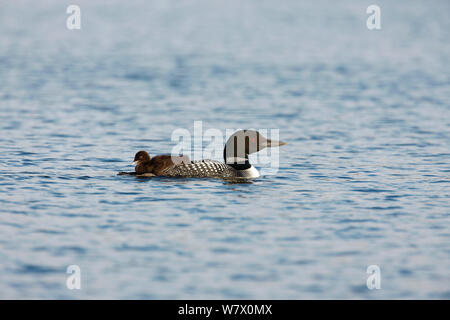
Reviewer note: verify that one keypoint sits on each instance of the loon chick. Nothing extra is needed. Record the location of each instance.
(236, 152)
(158, 164)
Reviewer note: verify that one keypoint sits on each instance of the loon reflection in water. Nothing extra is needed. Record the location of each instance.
(236, 152)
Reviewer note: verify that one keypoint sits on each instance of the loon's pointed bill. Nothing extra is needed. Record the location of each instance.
(134, 163)
(274, 143)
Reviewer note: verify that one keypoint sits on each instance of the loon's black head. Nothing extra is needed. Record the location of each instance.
(243, 143)
(141, 156)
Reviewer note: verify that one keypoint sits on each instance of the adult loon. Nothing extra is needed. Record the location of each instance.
(236, 152)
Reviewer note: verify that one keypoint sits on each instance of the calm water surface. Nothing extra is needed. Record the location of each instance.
(363, 181)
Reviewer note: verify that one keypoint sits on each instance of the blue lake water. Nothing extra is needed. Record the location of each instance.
(363, 181)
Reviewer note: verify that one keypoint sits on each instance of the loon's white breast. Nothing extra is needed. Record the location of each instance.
(251, 172)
